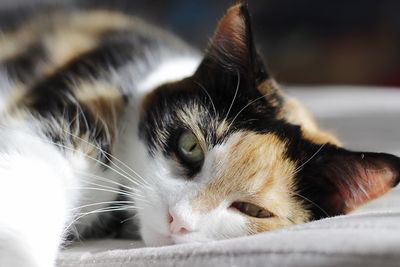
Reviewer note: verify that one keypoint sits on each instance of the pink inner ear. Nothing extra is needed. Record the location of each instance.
(340, 180)
(232, 28)
(368, 181)
(231, 34)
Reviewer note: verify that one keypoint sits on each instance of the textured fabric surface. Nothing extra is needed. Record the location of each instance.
(371, 239)
(365, 119)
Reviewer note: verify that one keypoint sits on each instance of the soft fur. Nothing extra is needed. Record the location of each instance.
(92, 105)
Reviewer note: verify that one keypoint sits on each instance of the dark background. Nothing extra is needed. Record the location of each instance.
(304, 41)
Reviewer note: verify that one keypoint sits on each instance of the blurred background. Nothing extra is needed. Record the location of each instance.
(305, 41)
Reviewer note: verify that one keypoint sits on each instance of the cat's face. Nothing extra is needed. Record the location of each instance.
(225, 160)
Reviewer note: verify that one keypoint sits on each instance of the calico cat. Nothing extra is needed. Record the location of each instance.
(101, 112)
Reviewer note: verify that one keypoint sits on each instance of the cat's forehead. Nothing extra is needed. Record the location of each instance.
(213, 111)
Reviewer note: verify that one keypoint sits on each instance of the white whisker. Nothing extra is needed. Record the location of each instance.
(100, 189)
(234, 97)
(130, 218)
(101, 210)
(107, 155)
(100, 178)
(208, 95)
(307, 161)
(107, 187)
(103, 203)
(240, 111)
(94, 159)
(311, 202)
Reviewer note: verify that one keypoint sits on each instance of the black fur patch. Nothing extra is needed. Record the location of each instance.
(25, 66)
(330, 180)
(224, 87)
(54, 96)
(248, 110)
(334, 181)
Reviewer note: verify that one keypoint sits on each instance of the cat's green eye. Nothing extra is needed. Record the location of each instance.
(252, 210)
(189, 148)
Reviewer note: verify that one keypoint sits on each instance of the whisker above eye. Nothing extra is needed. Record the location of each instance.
(234, 97)
(209, 97)
(246, 106)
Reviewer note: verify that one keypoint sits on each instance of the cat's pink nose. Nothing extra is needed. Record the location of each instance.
(177, 224)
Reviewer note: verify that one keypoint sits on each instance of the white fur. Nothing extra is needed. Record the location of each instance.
(166, 193)
(34, 201)
(173, 194)
(41, 187)
(169, 71)
(40, 190)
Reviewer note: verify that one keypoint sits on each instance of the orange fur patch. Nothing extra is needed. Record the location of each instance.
(296, 113)
(254, 169)
(65, 35)
(270, 89)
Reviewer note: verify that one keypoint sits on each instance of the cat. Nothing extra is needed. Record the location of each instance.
(103, 113)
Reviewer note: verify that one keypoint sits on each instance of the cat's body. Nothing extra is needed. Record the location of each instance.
(101, 112)
(72, 89)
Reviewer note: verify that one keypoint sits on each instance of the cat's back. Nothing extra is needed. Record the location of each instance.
(94, 54)
(49, 39)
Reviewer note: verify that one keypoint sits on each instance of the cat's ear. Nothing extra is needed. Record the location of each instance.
(232, 46)
(336, 181)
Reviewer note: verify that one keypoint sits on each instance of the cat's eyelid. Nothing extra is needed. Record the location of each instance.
(252, 210)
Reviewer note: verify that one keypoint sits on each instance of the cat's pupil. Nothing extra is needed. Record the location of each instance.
(193, 147)
(189, 150)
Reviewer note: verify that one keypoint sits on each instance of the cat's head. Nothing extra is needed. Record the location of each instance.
(228, 159)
